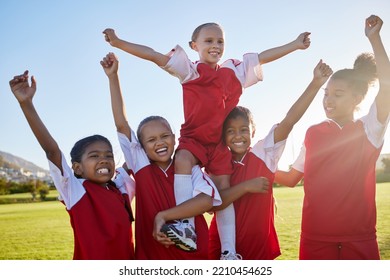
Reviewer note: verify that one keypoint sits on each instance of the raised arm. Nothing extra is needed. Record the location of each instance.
(110, 65)
(302, 42)
(140, 51)
(321, 74)
(24, 93)
(372, 30)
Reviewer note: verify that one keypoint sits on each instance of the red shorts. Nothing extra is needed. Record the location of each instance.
(216, 159)
(323, 250)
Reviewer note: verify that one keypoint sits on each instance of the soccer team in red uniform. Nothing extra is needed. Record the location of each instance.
(215, 169)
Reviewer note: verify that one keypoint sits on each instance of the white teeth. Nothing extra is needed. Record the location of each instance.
(239, 143)
(161, 150)
(103, 171)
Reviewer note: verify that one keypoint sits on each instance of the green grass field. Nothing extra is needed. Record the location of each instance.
(41, 231)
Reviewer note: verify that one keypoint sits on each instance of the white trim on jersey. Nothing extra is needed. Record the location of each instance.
(268, 151)
(203, 184)
(180, 66)
(374, 130)
(136, 159)
(125, 183)
(248, 71)
(70, 188)
(134, 154)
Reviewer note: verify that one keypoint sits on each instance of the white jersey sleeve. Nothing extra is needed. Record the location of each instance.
(375, 130)
(69, 187)
(248, 71)
(180, 66)
(134, 154)
(299, 163)
(125, 183)
(268, 151)
(203, 184)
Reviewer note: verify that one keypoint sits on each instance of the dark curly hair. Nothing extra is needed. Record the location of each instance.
(79, 148)
(361, 76)
(243, 112)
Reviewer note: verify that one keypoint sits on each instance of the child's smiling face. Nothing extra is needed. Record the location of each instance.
(158, 142)
(210, 45)
(237, 135)
(96, 164)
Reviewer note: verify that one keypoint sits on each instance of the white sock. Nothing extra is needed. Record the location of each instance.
(183, 191)
(226, 223)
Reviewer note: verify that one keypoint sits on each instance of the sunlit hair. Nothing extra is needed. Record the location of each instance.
(149, 119)
(197, 30)
(242, 112)
(361, 76)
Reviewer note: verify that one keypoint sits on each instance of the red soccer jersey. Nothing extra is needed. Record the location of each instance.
(210, 94)
(339, 183)
(101, 225)
(256, 237)
(155, 193)
(99, 216)
(207, 101)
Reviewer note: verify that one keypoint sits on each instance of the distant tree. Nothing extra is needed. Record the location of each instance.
(14, 187)
(386, 164)
(31, 187)
(43, 191)
(3, 186)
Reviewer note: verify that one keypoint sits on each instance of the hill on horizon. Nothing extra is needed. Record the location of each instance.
(18, 161)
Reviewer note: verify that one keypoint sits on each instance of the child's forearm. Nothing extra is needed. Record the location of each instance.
(322, 73)
(142, 51)
(190, 208)
(231, 194)
(300, 106)
(46, 141)
(117, 106)
(296, 111)
(288, 178)
(276, 53)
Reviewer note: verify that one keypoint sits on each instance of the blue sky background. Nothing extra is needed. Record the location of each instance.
(61, 43)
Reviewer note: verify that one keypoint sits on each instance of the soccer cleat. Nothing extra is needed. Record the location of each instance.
(226, 255)
(182, 233)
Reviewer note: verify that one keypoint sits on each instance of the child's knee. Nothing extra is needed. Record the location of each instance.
(184, 161)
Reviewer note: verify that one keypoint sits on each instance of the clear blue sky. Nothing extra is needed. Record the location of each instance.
(61, 43)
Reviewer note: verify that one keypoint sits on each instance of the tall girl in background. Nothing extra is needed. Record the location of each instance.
(255, 230)
(100, 215)
(338, 161)
(210, 92)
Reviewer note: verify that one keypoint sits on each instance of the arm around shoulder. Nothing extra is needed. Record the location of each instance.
(288, 178)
